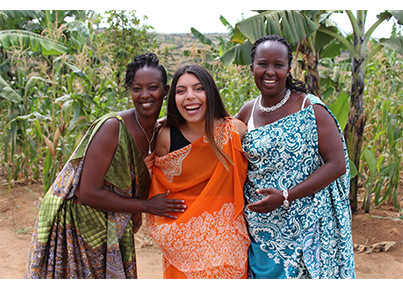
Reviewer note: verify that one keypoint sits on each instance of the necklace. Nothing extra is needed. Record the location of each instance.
(278, 105)
(144, 131)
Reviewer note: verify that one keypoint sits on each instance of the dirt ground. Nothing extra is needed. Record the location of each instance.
(372, 234)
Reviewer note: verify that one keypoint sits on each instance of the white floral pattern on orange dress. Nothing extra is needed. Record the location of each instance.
(210, 239)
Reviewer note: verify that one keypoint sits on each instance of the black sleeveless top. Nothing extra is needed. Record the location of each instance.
(178, 141)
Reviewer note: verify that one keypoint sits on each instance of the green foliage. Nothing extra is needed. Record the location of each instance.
(340, 109)
(37, 43)
(48, 100)
(292, 25)
(54, 85)
(382, 157)
(128, 37)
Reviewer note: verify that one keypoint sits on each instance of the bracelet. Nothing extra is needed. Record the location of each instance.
(286, 203)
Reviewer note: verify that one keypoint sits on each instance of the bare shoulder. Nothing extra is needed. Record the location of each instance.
(322, 114)
(163, 141)
(300, 97)
(245, 111)
(127, 116)
(241, 126)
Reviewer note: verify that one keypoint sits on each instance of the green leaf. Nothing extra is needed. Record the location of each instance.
(26, 39)
(203, 39)
(379, 163)
(239, 54)
(370, 158)
(353, 169)
(331, 50)
(80, 27)
(323, 39)
(393, 132)
(80, 73)
(293, 25)
(225, 22)
(238, 37)
(395, 44)
(340, 109)
(398, 14)
(32, 81)
(251, 28)
(8, 93)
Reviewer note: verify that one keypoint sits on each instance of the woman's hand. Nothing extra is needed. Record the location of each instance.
(159, 205)
(273, 200)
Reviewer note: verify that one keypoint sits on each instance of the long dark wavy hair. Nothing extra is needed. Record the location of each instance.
(141, 61)
(215, 105)
(291, 82)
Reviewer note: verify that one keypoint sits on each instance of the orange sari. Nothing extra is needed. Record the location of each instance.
(210, 239)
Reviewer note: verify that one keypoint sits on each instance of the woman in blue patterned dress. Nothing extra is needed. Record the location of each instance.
(297, 188)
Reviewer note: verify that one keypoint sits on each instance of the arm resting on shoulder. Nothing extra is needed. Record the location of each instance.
(91, 187)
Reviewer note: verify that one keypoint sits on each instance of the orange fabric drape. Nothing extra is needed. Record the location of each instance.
(208, 240)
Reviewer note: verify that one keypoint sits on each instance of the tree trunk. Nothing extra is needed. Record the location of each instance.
(310, 64)
(313, 75)
(356, 119)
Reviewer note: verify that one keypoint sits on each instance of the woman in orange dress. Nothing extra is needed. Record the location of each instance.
(199, 158)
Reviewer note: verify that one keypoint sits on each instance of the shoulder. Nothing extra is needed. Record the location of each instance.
(241, 126)
(108, 134)
(321, 111)
(110, 126)
(163, 141)
(301, 99)
(127, 116)
(245, 111)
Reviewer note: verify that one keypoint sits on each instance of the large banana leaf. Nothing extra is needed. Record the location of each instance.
(36, 42)
(239, 54)
(398, 14)
(395, 44)
(292, 25)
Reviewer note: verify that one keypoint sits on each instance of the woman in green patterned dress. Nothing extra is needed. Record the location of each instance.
(87, 220)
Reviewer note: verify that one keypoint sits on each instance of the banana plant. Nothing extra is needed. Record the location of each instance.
(36, 42)
(358, 50)
(293, 25)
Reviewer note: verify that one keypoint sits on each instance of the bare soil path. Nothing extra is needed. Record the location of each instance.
(19, 208)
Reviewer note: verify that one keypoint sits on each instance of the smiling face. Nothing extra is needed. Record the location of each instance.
(270, 68)
(190, 98)
(148, 91)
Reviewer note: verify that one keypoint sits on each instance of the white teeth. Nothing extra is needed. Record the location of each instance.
(269, 81)
(147, 104)
(192, 107)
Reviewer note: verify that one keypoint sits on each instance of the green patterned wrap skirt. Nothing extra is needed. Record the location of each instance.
(72, 240)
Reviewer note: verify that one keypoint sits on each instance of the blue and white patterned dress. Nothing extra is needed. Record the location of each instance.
(311, 239)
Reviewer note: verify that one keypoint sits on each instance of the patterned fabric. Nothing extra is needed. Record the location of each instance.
(72, 240)
(311, 239)
(208, 240)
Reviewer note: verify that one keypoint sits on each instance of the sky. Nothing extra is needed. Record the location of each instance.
(206, 18)
(178, 16)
